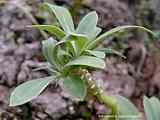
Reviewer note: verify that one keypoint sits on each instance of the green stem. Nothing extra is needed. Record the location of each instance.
(108, 101)
(111, 102)
(94, 90)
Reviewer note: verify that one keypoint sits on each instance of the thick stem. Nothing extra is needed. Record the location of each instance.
(108, 101)
(111, 102)
(94, 90)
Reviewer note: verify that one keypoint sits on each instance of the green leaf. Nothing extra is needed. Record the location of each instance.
(127, 111)
(97, 32)
(152, 108)
(87, 61)
(64, 17)
(54, 30)
(94, 33)
(87, 25)
(111, 51)
(76, 43)
(98, 54)
(74, 48)
(114, 30)
(29, 90)
(63, 53)
(80, 42)
(63, 56)
(48, 50)
(75, 86)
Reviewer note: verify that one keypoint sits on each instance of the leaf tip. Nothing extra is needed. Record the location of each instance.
(11, 102)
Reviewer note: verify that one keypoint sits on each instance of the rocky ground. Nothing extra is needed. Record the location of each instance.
(20, 54)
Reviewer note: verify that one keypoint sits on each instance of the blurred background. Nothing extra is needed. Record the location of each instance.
(20, 54)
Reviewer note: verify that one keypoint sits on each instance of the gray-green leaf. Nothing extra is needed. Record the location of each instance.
(152, 108)
(54, 30)
(48, 50)
(64, 17)
(117, 29)
(95, 53)
(75, 86)
(127, 111)
(78, 42)
(111, 51)
(63, 56)
(87, 61)
(88, 24)
(29, 90)
(97, 32)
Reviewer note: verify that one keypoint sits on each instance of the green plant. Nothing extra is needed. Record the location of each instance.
(69, 57)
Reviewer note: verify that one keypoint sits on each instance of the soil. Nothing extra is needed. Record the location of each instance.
(20, 54)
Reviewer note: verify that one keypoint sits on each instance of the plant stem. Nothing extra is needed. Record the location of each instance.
(95, 90)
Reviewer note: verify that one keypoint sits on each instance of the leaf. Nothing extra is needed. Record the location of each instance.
(127, 111)
(76, 44)
(97, 32)
(29, 90)
(94, 33)
(87, 25)
(63, 53)
(75, 86)
(48, 50)
(64, 17)
(74, 48)
(54, 30)
(87, 61)
(80, 42)
(113, 31)
(98, 54)
(152, 108)
(111, 51)
(63, 56)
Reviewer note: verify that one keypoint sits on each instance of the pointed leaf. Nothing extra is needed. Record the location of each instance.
(88, 24)
(152, 108)
(97, 32)
(29, 90)
(87, 61)
(94, 33)
(111, 51)
(127, 111)
(117, 29)
(54, 30)
(75, 86)
(98, 54)
(63, 16)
